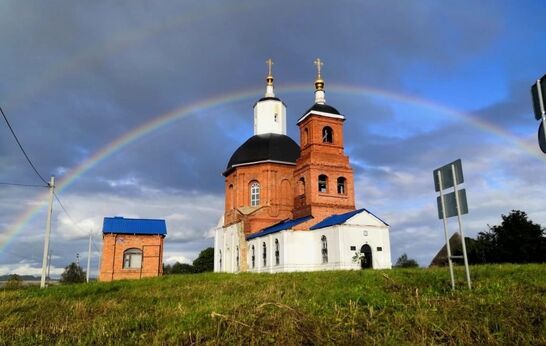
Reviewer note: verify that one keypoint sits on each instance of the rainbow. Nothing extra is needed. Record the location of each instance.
(181, 112)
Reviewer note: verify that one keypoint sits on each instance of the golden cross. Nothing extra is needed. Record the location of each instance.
(269, 62)
(319, 64)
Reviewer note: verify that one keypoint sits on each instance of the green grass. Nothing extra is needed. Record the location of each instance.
(402, 306)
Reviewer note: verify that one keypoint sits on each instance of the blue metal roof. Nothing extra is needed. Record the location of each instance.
(281, 226)
(121, 225)
(341, 218)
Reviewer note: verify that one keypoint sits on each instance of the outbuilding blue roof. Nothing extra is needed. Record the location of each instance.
(281, 226)
(121, 225)
(338, 219)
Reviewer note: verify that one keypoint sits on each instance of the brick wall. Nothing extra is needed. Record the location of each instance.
(113, 248)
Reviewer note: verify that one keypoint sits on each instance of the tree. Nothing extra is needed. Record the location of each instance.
(405, 262)
(178, 268)
(205, 261)
(72, 274)
(516, 240)
(14, 281)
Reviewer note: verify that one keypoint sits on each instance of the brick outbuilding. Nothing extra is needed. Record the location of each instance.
(132, 248)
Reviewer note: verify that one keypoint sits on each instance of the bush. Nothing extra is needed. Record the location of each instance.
(405, 262)
(73, 274)
(14, 282)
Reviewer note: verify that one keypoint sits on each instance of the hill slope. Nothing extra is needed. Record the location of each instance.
(508, 305)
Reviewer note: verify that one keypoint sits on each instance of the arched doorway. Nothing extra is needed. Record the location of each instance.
(366, 258)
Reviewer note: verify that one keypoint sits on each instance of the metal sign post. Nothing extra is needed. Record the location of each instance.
(461, 229)
(451, 204)
(448, 246)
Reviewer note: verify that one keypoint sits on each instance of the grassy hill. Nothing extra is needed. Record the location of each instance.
(407, 306)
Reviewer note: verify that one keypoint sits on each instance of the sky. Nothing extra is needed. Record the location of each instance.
(136, 107)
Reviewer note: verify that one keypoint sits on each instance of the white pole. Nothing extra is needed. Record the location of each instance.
(88, 259)
(48, 231)
(461, 226)
(444, 219)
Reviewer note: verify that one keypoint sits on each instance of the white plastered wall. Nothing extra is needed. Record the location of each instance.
(301, 250)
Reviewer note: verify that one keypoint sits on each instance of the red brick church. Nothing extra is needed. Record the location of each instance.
(287, 206)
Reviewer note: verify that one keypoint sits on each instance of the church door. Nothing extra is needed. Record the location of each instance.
(366, 259)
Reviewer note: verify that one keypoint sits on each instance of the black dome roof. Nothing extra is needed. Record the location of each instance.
(323, 108)
(268, 146)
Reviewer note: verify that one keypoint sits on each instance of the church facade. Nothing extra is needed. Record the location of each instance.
(291, 207)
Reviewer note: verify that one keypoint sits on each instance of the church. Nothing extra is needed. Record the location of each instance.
(291, 207)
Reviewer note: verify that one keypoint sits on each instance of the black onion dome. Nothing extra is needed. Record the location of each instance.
(265, 147)
(323, 108)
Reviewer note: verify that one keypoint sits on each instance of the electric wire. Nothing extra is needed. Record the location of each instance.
(18, 184)
(21, 147)
(66, 211)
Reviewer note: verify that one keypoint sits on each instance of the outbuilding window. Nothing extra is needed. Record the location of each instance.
(220, 259)
(324, 249)
(253, 256)
(132, 259)
(254, 194)
(323, 183)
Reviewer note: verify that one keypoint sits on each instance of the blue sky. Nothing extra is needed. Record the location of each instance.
(75, 77)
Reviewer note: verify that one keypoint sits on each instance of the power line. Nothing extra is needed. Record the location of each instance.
(25, 185)
(66, 211)
(21, 147)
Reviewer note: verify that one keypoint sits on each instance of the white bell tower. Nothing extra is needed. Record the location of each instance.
(269, 111)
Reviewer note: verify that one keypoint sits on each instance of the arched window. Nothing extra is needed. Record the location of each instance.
(323, 183)
(341, 185)
(254, 194)
(327, 135)
(305, 136)
(277, 253)
(237, 258)
(324, 249)
(253, 256)
(264, 254)
(220, 259)
(301, 186)
(275, 117)
(132, 259)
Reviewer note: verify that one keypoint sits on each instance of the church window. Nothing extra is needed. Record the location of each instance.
(237, 258)
(323, 183)
(253, 256)
(341, 185)
(254, 194)
(275, 117)
(277, 253)
(132, 259)
(301, 186)
(305, 136)
(324, 249)
(220, 259)
(327, 134)
(264, 254)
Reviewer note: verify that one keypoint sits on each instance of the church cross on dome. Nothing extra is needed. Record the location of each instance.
(269, 89)
(319, 65)
(319, 84)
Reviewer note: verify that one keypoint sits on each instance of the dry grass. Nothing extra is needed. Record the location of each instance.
(415, 306)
